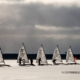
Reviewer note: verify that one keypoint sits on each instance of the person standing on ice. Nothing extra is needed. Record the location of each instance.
(54, 61)
(39, 61)
(23, 62)
(20, 61)
(31, 60)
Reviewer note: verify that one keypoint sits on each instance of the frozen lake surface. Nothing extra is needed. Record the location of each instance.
(47, 72)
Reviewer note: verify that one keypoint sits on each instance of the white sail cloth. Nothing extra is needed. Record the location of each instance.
(41, 55)
(69, 56)
(22, 54)
(56, 55)
(1, 57)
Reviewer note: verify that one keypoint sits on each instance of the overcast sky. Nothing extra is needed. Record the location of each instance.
(36, 22)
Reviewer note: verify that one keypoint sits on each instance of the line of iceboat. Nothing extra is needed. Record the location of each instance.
(41, 58)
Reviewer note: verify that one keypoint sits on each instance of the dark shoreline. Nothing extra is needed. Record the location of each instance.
(48, 56)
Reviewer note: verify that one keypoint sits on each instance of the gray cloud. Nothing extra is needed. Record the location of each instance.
(51, 15)
(17, 25)
(32, 14)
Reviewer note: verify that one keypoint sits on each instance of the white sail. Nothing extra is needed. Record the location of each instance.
(56, 55)
(1, 57)
(69, 56)
(22, 54)
(41, 54)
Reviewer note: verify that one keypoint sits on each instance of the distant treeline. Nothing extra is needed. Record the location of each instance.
(48, 56)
